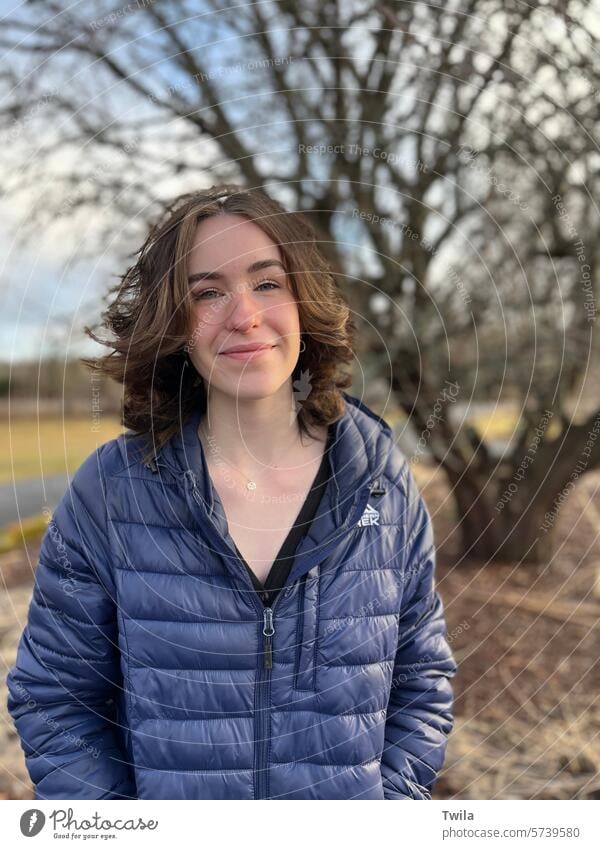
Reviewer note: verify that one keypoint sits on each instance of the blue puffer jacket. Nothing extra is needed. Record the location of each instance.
(149, 667)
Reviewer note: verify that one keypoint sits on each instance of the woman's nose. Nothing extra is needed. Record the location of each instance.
(242, 311)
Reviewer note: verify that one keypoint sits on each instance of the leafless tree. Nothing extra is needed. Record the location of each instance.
(446, 154)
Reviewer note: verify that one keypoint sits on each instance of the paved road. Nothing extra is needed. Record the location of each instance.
(29, 497)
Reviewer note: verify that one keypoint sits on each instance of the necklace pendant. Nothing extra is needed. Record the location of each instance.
(251, 485)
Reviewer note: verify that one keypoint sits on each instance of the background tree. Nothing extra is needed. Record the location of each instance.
(446, 155)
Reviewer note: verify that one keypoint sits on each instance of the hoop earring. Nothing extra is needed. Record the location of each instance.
(302, 342)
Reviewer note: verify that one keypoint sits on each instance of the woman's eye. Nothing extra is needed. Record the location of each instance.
(204, 295)
(268, 282)
(201, 295)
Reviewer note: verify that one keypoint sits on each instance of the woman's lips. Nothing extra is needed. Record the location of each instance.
(247, 355)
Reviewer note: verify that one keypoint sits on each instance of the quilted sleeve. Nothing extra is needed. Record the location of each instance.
(419, 716)
(66, 672)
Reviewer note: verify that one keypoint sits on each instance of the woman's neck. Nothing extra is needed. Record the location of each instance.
(252, 434)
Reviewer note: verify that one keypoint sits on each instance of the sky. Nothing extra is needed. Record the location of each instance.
(47, 290)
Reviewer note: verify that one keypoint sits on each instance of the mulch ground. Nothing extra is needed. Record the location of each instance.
(526, 641)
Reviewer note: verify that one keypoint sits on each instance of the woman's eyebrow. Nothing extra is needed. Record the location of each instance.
(216, 275)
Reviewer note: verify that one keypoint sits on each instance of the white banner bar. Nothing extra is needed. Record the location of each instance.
(328, 824)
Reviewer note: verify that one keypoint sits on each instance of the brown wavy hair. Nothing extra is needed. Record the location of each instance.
(151, 316)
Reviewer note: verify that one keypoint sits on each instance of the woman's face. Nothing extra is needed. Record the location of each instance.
(241, 296)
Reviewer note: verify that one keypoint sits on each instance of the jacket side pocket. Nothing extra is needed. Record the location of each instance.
(307, 630)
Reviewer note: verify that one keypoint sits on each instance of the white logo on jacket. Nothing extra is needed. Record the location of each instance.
(369, 517)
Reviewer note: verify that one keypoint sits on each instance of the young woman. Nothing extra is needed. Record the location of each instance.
(235, 599)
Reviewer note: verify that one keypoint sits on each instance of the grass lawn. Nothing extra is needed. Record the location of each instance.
(35, 448)
(47, 446)
(497, 424)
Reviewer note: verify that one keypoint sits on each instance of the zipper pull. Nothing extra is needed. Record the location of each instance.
(268, 631)
(378, 487)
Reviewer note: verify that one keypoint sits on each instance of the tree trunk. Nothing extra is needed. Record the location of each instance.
(493, 530)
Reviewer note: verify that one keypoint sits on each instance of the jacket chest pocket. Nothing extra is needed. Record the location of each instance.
(307, 631)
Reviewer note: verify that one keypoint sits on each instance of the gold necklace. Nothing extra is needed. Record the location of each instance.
(251, 484)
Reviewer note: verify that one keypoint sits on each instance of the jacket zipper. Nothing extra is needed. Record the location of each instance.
(264, 681)
(264, 671)
(263, 684)
(262, 706)
(268, 631)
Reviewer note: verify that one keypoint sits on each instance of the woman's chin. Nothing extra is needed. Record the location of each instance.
(250, 389)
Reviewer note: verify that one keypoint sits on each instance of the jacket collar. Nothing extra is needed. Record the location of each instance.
(360, 445)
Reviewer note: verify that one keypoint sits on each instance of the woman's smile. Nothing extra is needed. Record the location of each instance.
(247, 355)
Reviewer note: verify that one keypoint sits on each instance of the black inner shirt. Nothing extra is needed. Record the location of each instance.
(283, 562)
